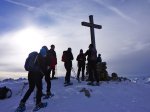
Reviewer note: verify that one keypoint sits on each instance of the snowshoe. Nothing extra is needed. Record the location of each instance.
(82, 79)
(20, 108)
(39, 106)
(48, 96)
(54, 78)
(90, 83)
(78, 79)
(97, 84)
(68, 84)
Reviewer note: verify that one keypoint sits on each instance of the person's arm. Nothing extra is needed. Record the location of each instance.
(72, 56)
(77, 58)
(86, 53)
(55, 57)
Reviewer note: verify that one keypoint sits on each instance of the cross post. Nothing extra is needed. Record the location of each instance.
(92, 26)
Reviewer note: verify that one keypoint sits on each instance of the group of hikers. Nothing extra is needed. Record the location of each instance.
(42, 64)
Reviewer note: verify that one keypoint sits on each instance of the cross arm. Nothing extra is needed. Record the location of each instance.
(91, 25)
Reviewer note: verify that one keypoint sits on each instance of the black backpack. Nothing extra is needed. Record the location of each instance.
(5, 92)
(64, 56)
(31, 63)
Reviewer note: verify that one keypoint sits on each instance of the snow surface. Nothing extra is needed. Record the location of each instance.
(110, 96)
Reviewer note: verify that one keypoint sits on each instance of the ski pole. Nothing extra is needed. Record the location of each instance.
(24, 85)
(74, 72)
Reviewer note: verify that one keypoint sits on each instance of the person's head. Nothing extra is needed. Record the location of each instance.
(91, 46)
(52, 46)
(81, 51)
(99, 55)
(69, 49)
(43, 51)
(45, 47)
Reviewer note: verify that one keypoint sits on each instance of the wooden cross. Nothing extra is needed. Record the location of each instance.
(92, 26)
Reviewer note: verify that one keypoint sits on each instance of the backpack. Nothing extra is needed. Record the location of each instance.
(5, 92)
(31, 62)
(64, 56)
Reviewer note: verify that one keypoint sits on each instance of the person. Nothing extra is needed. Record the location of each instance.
(98, 66)
(99, 59)
(44, 66)
(67, 59)
(91, 54)
(52, 61)
(81, 65)
(35, 80)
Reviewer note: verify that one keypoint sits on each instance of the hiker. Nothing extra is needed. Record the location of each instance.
(52, 61)
(91, 54)
(81, 65)
(98, 66)
(67, 58)
(35, 79)
(99, 59)
(44, 66)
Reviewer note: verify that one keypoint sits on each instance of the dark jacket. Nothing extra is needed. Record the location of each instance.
(51, 58)
(92, 54)
(81, 59)
(68, 60)
(69, 56)
(99, 59)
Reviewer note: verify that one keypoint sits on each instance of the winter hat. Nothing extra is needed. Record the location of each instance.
(43, 51)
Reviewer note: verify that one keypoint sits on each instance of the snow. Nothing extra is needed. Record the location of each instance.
(110, 96)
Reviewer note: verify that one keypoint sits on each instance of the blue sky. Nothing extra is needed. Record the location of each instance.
(124, 40)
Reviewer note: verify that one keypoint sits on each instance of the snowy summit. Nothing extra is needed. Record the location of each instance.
(112, 96)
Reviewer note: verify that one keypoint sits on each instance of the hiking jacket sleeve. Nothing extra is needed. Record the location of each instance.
(77, 58)
(72, 56)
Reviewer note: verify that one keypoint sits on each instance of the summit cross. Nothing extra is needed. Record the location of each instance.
(92, 26)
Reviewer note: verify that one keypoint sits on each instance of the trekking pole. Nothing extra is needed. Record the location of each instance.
(75, 75)
(74, 72)
(22, 89)
(34, 96)
(56, 70)
(24, 85)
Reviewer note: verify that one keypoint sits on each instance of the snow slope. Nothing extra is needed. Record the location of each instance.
(125, 96)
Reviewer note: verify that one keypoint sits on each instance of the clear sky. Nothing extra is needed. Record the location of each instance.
(124, 40)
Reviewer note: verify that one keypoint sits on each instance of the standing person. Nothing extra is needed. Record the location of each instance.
(81, 65)
(98, 66)
(44, 66)
(99, 59)
(35, 75)
(67, 58)
(92, 58)
(52, 61)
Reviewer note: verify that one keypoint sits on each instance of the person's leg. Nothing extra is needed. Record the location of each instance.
(69, 75)
(38, 81)
(95, 77)
(95, 73)
(83, 68)
(90, 72)
(48, 82)
(31, 88)
(66, 67)
(53, 72)
(49, 72)
(67, 78)
(78, 73)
